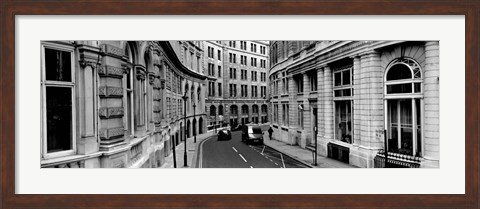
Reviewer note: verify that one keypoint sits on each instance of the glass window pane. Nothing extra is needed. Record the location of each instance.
(57, 65)
(417, 87)
(399, 88)
(346, 77)
(398, 72)
(338, 79)
(343, 126)
(59, 119)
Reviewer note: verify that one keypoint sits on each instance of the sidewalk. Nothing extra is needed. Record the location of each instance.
(303, 155)
(191, 152)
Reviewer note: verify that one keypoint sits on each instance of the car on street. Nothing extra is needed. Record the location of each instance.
(224, 134)
(252, 134)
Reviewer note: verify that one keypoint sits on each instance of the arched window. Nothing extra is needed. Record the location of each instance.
(404, 102)
(403, 76)
(220, 110)
(212, 110)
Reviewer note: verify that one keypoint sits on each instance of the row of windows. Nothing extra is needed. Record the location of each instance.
(243, 75)
(253, 46)
(234, 109)
(243, 90)
(232, 58)
(342, 79)
(211, 53)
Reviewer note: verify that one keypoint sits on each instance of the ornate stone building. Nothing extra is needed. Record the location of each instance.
(237, 86)
(349, 94)
(116, 104)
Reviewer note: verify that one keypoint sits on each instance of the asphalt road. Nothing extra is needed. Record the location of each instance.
(236, 154)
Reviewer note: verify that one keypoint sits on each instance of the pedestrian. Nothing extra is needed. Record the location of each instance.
(270, 132)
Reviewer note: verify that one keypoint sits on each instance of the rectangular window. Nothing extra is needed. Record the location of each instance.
(58, 113)
(312, 77)
(219, 55)
(219, 89)
(219, 71)
(343, 121)
(299, 83)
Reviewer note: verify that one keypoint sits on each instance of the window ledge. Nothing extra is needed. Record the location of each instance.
(68, 159)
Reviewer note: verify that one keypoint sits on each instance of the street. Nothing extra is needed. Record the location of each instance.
(236, 154)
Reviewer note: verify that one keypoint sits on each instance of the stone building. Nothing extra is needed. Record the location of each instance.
(237, 86)
(118, 104)
(349, 95)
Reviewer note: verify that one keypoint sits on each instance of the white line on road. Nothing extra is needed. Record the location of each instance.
(282, 160)
(242, 157)
(263, 149)
(251, 166)
(234, 149)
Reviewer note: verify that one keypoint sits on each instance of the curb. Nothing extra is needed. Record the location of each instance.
(197, 151)
(295, 158)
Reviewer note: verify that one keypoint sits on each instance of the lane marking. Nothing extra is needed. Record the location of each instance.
(282, 160)
(263, 149)
(251, 166)
(234, 149)
(242, 157)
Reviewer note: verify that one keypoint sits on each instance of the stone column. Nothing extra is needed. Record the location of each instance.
(86, 87)
(307, 112)
(371, 99)
(321, 105)
(431, 104)
(328, 102)
(356, 100)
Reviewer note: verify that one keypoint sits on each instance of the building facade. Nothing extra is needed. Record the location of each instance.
(118, 104)
(237, 85)
(354, 98)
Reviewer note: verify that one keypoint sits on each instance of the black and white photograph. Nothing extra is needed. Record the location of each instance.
(240, 104)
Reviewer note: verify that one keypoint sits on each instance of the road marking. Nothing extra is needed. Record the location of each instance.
(282, 160)
(234, 149)
(242, 157)
(251, 166)
(263, 149)
(276, 164)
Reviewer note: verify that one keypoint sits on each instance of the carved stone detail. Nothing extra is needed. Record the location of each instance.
(111, 133)
(162, 83)
(157, 96)
(151, 77)
(111, 71)
(107, 91)
(157, 109)
(111, 112)
(112, 50)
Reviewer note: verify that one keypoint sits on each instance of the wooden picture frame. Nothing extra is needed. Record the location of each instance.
(9, 9)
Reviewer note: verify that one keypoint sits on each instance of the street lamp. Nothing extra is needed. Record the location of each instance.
(185, 127)
(194, 134)
(215, 124)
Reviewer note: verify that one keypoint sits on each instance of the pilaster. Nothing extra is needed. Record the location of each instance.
(431, 103)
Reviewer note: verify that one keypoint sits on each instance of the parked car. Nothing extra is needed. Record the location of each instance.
(224, 134)
(252, 133)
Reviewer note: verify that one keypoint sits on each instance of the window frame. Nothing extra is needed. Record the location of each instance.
(71, 85)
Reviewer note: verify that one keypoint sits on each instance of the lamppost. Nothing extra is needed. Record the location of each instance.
(185, 127)
(194, 134)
